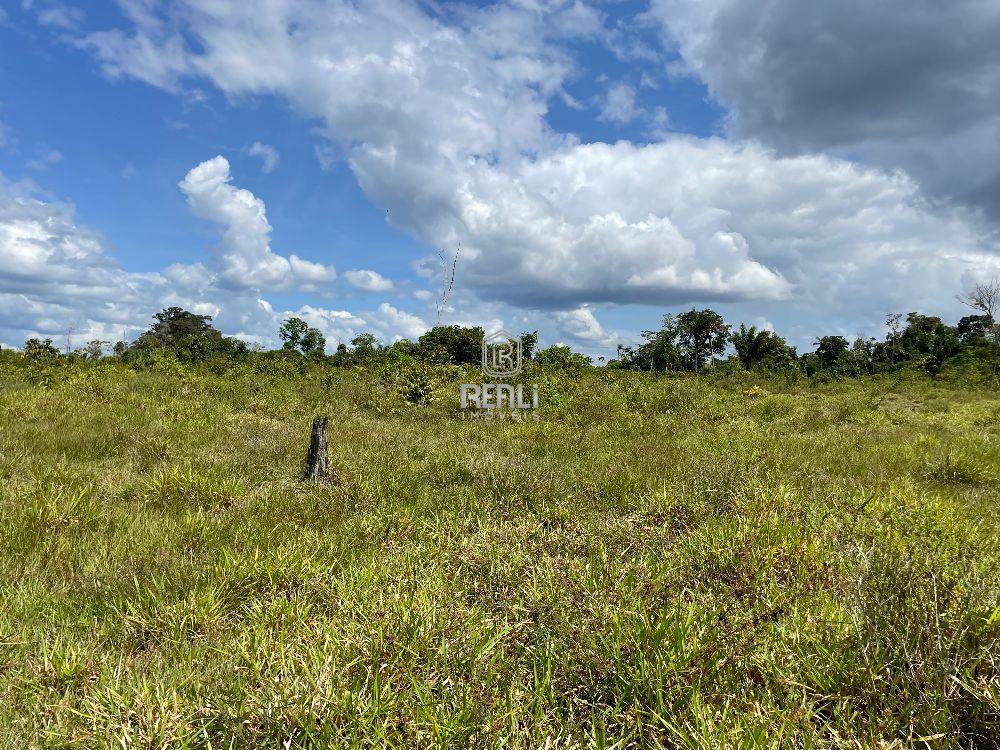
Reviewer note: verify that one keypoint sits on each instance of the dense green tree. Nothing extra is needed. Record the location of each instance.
(658, 353)
(701, 335)
(365, 347)
(928, 340)
(402, 349)
(561, 356)
(291, 333)
(40, 349)
(830, 351)
(313, 342)
(687, 341)
(297, 335)
(809, 363)
(759, 350)
(455, 345)
(664, 355)
(175, 325)
(975, 330)
(529, 342)
(190, 337)
(341, 357)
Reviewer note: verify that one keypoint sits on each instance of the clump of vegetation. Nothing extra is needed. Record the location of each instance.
(188, 337)
(416, 386)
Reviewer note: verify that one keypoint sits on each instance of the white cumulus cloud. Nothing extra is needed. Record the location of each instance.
(369, 281)
(58, 278)
(246, 258)
(581, 324)
(388, 323)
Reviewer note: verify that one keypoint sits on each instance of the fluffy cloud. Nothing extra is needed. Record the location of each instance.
(581, 324)
(705, 219)
(57, 278)
(56, 275)
(898, 83)
(441, 118)
(369, 281)
(619, 104)
(268, 155)
(397, 323)
(340, 326)
(246, 260)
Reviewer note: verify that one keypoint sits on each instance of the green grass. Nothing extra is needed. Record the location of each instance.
(686, 562)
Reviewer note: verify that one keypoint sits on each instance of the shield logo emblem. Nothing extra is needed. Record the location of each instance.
(501, 354)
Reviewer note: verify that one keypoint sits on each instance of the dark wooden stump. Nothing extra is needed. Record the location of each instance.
(317, 462)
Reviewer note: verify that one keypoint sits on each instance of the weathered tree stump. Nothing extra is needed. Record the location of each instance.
(317, 462)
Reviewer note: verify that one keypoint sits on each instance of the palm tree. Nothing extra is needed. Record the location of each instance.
(751, 345)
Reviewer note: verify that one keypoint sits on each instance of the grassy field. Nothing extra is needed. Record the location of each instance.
(684, 562)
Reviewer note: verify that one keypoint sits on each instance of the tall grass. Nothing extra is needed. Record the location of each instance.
(684, 562)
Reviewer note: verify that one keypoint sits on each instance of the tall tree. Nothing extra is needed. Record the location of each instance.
(456, 345)
(975, 330)
(297, 335)
(175, 325)
(661, 347)
(761, 349)
(192, 338)
(291, 333)
(529, 341)
(40, 349)
(701, 334)
(830, 350)
(313, 342)
(985, 297)
(365, 347)
(928, 339)
(658, 352)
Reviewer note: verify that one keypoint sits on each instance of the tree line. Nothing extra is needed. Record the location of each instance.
(694, 340)
(690, 341)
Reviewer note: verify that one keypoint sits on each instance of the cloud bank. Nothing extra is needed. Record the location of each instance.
(58, 279)
(441, 117)
(912, 84)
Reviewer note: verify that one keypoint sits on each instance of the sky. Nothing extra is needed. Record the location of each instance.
(806, 168)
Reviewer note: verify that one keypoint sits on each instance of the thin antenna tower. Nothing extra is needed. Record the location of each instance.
(446, 293)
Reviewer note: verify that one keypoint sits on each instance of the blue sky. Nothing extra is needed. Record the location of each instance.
(599, 164)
